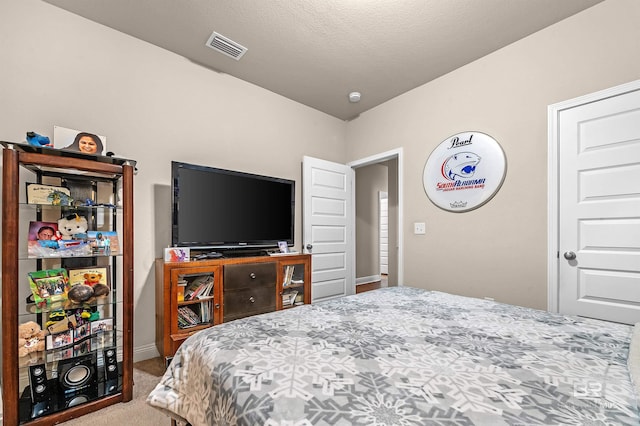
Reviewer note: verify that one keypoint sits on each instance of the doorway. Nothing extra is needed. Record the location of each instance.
(381, 173)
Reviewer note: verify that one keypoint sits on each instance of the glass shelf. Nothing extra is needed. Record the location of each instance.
(25, 147)
(33, 309)
(44, 207)
(59, 256)
(93, 344)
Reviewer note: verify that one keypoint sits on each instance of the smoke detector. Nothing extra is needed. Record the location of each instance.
(354, 97)
(226, 46)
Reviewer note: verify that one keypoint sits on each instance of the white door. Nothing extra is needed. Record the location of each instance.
(599, 208)
(327, 227)
(384, 232)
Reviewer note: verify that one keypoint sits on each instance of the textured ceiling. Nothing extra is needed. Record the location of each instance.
(317, 51)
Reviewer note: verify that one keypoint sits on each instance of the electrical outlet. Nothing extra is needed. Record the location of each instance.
(419, 228)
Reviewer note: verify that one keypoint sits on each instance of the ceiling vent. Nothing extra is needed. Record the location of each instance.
(226, 46)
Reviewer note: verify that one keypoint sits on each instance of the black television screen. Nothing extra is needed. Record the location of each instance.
(217, 208)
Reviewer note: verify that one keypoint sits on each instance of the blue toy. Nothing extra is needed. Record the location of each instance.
(38, 140)
(53, 244)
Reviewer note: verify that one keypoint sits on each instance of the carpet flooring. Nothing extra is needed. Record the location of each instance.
(146, 375)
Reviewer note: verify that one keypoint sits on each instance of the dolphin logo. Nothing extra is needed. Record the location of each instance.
(462, 164)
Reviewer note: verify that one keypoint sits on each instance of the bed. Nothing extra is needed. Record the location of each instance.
(405, 356)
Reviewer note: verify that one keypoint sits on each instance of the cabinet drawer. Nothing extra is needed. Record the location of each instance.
(249, 301)
(249, 275)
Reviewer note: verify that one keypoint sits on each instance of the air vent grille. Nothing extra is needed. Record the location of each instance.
(226, 46)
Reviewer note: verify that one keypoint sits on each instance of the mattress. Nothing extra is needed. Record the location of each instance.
(404, 356)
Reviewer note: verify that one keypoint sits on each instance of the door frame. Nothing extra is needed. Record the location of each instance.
(553, 171)
(394, 154)
(380, 203)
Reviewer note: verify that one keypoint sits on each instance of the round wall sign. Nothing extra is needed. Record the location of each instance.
(464, 171)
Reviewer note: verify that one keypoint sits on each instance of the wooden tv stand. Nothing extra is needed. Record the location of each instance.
(241, 286)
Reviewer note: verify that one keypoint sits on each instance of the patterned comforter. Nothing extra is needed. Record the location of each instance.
(403, 356)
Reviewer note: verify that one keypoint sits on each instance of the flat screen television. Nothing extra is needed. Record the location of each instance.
(217, 209)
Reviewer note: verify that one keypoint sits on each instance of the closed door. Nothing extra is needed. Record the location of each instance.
(327, 234)
(599, 208)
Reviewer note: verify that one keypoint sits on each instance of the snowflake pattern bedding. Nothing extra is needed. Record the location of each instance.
(403, 356)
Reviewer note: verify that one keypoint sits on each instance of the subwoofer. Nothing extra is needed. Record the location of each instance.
(40, 392)
(80, 397)
(110, 371)
(76, 373)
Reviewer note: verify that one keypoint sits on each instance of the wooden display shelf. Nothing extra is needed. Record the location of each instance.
(59, 164)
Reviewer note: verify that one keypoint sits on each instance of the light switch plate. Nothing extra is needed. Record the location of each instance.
(419, 228)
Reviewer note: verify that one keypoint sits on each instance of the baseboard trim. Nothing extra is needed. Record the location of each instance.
(142, 353)
(369, 279)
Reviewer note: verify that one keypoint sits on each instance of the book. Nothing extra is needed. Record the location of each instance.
(201, 286)
(206, 289)
(289, 298)
(187, 317)
(49, 286)
(288, 275)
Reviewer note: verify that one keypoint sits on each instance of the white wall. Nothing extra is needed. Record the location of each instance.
(498, 250)
(154, 107)
(370, 180)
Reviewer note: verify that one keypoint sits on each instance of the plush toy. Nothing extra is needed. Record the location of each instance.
(93, 280)
(38, 140)
(30, 338)
(73, 227)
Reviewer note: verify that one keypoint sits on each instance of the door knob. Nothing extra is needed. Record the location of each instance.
(569, 255)
(252, 299)
(309, 247)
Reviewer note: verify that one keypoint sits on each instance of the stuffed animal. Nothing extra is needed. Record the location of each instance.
(73, 227)
(30, 338)
(93, 280)
(35, 139)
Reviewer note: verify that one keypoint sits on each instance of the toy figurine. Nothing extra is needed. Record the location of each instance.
(38, 140)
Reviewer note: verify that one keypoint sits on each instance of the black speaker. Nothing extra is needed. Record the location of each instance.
(110, 371)
(76, 373)
(40, 392)
(79, 397)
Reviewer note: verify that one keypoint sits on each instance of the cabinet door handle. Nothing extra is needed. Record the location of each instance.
(217, 306)
(252, 275)
(252, 299)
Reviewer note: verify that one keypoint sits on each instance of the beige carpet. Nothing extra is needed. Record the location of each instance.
(146, 375)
